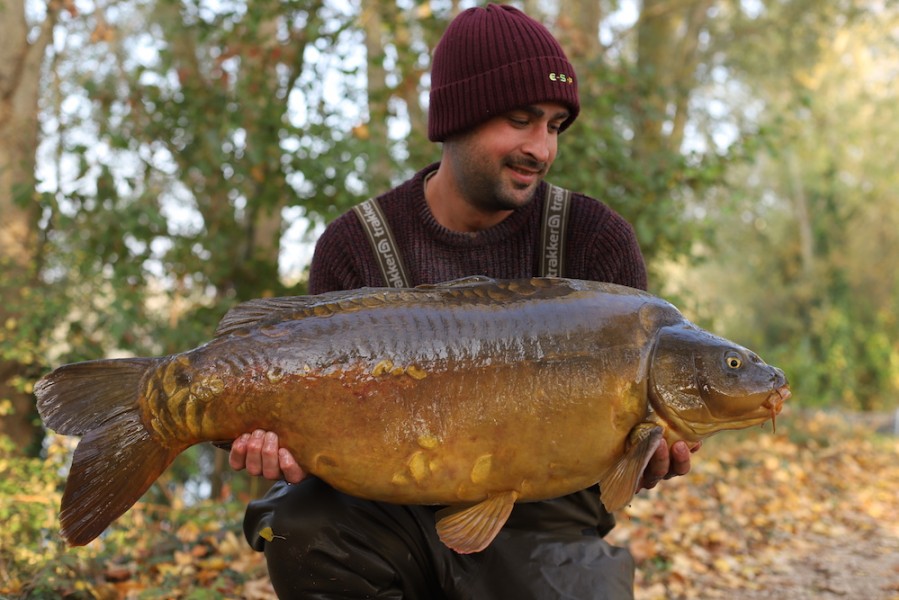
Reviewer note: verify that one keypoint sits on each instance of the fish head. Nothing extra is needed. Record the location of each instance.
(700, 383)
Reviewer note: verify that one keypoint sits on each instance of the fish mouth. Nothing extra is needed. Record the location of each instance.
(775, 403)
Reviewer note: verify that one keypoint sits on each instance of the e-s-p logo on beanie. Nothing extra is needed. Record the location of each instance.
(561, 77)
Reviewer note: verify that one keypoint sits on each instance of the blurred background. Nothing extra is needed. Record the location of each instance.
(163, 160)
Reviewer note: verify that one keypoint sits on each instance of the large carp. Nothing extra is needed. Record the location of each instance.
(474, 394)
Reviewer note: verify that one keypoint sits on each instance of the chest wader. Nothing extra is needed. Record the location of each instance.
(322, 544)
(553, 233)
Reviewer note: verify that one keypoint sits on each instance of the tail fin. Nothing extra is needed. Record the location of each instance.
(117, 459)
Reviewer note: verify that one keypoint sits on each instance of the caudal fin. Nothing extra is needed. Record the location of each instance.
(117, 459)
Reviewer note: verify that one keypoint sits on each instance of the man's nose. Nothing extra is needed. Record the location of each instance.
(540, 144)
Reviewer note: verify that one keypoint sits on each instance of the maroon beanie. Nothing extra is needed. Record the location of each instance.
(492, 60)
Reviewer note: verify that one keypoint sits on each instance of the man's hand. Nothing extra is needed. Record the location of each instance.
(259, 454)
(665, 464)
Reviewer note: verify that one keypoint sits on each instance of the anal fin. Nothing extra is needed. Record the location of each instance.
(471, 529)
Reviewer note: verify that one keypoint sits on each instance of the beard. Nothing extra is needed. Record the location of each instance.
(485, 184)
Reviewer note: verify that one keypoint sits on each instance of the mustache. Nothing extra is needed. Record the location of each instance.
(527, 164)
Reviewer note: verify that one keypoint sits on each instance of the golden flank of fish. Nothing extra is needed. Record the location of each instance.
(474, 394)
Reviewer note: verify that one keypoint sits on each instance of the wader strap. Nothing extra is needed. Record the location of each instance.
(380, 236)
(553, 232)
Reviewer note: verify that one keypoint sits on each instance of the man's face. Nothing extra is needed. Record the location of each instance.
(500, 162)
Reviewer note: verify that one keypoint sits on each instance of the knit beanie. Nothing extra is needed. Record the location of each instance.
(492, 60)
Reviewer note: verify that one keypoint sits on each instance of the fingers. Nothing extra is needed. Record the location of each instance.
(271, 463)
(237, 458)
(680, 459)
(657, 467)
(256, 452)
(291, 471)
(260, 454)
(667, 463)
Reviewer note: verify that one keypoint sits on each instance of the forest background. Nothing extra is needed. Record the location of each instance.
(163, 160)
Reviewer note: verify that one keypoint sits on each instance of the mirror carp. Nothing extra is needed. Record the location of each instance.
(474, 394)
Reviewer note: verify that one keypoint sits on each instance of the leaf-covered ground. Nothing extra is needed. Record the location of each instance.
(811, 512)
(808, 512)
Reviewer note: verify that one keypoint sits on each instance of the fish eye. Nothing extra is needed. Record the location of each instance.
(733, 361)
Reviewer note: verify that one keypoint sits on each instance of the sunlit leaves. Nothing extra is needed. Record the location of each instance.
(156, 550)
(759, 510)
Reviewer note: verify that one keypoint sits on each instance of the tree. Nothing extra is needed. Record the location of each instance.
(21, 75)
(813, 235)
(638, 94)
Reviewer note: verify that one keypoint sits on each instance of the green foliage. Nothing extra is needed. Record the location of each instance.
(667, 196)
(28, 500)
(803, 269)
(156, 550)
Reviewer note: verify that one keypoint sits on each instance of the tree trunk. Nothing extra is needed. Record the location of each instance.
(667, 55)
(656, 33)
(379, 166)
(684, 73)
(577, 28)
(20, 78)
(803, 214)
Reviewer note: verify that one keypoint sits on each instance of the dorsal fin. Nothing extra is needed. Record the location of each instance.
(467, 290)
(261, 310)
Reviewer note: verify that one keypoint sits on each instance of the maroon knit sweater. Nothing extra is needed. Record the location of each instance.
(601, 244)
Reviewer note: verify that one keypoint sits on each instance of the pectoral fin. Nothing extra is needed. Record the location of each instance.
(619, 484)
(471, 529)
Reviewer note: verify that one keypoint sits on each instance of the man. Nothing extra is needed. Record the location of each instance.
(502, 92)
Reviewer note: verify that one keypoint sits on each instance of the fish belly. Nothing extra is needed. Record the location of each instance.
(459, 436)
